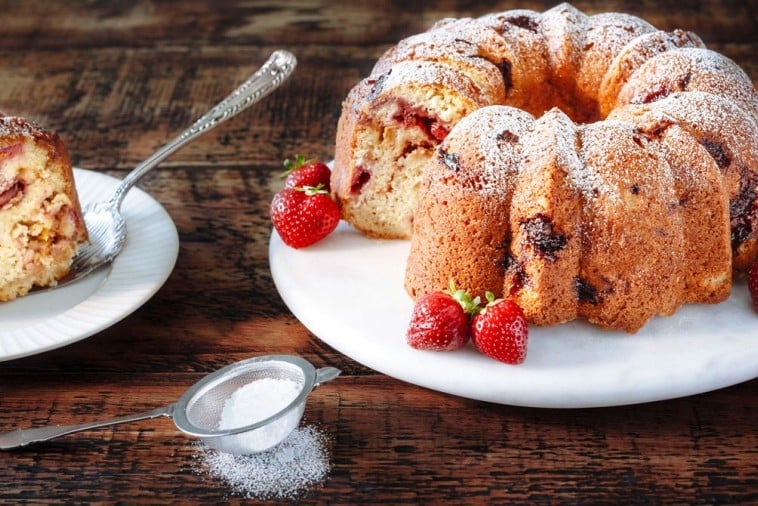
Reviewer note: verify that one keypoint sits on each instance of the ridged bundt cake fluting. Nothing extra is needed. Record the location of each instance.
(585, 166)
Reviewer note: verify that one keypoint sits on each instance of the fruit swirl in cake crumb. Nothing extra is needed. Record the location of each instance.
(11, 188)
(11, 151)
(11, 192)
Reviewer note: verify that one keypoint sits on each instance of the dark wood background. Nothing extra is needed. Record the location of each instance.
(119, 78)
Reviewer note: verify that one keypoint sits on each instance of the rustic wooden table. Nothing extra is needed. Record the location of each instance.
(117, 79)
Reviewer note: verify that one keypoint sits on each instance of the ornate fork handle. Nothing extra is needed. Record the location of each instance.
(265, 80)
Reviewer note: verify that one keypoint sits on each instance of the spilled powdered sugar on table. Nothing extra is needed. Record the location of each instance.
(287, 471)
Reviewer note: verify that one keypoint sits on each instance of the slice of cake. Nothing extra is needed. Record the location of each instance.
(41, 221)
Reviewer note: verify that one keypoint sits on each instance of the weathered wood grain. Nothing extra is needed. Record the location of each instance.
(118, 79)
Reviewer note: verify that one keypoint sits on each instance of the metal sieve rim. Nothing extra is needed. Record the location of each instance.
(199, 389)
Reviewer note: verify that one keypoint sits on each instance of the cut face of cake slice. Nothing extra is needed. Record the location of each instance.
(41, 223)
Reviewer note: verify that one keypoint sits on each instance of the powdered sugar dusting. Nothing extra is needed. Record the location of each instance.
(286, 472)
(689, 69)
(513, 20)
(468, 47)
(564, 57)
(565, 146)
(15, 127)
(563, 27)
(493, 136)
(464, 36)
(430, 76)
(256, 401)
(615, 29)
(634, 55)
(606, 36)
(706, 114)
(606, 145)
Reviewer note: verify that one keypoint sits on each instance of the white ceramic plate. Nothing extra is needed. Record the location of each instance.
(46, 320)
(348, 291)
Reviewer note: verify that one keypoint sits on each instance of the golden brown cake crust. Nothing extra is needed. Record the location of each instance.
(638, 195)
(689, 69)
(461, 223)
(631, 261)
(605, 37)
(704, 205)
(633, 56)
(727, 132)
(545, 224)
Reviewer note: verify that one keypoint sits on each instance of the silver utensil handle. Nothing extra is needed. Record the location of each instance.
(272, 73)
(23, 437)
(325, 374)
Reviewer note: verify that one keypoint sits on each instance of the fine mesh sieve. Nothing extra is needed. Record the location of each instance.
(198, 411)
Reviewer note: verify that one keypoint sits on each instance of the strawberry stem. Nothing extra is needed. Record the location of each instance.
(491, 301)
(319, 189)
(471, 306)
(291, 165)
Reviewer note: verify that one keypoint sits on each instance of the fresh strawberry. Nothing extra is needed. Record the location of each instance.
(302, 172)
(752, 283)
(440, 321)
(500, 330)
(304, 215)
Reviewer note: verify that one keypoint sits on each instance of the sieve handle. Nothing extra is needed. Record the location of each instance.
(23, 437)
(325, 374)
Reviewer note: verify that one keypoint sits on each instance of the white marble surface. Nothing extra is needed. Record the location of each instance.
(348, 291)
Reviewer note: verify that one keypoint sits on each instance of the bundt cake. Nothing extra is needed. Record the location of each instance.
(584, 165)
(41, 223)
